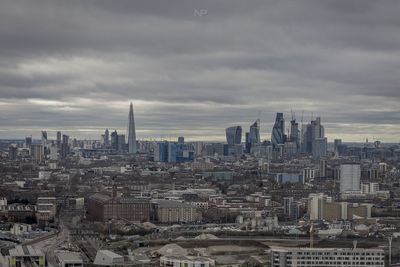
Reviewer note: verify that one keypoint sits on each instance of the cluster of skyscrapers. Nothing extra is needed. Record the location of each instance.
(310, 140)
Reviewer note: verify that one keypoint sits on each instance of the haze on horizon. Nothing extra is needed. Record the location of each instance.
(193, 68)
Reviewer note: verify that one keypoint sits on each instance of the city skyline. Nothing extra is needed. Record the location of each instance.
(263, 136)
(73, 69)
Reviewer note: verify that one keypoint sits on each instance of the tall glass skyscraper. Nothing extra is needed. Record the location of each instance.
(234, 135)
(255, 133)
(278, 131)
(131, 132)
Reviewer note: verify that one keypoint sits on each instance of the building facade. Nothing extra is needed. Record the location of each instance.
(307, 257)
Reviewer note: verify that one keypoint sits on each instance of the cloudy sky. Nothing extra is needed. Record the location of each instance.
(193, 68)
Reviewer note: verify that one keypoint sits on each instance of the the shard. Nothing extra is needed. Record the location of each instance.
(131, 132)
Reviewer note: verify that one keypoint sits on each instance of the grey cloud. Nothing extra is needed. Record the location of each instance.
(191, 72)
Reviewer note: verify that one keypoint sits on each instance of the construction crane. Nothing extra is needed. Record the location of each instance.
(311, 237)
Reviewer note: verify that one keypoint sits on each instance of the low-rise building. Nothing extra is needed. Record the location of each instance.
(187, 261)
(305, 257)
(175, 212)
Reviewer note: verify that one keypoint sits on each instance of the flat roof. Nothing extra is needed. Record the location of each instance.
(69, 257)
(25, 251)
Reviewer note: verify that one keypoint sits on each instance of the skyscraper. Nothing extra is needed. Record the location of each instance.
(234, 135)
(255, 132)
(114, 140)
(350, 177)
(294, 132)
(65, 146)
(121, 143)
(59, 141)
(278, 131)
(44, 143)
(131, 132)
(106, 138)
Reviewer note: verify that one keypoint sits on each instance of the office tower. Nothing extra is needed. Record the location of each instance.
(59, 141)
(337, 143)
(44, 143)
(181, 140)
(319, 147)
(306, 142)
(317, 129)
(253, 139)
(172, 149)
(255, 132)
(28, 142)
(37, 152)
(106, 138)
(121, 143)
(294, 132)
(218, 148)
(247, 144)
(350, 177)
(314, 135)
(114, 140)
(131, 132)
(161, 152)
(53, 151)
(44, 138)
(278, 131)
(12, 152)
(234, 135)
(64, 146)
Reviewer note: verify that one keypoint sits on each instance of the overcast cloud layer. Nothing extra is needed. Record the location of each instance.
(193, 68)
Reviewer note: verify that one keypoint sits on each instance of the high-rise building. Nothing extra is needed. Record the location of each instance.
(350, 175)
(106, 138)
(12, 152)
(131, 132)
(287, 206)
(314, 135)
(323, 168)
(59, 141)
(121, 143)
(255, 132)
(114, 140)
(181, 140)
(44, 143)
(278, 131)
(294, 132)
(234, 135)
(319, 147)
(337, 143)
(65, 146)
(37, 152)
(247, 144)
(28, 142)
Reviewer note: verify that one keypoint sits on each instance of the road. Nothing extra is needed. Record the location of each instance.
(57, 242)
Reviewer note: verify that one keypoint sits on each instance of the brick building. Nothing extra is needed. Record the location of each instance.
(103, 208)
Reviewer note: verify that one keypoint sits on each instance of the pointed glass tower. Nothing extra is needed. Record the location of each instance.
(131, 132)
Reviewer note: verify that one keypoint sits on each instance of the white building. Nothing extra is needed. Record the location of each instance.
(69, 259)
(108, 258)
(19, 228)
(350, 177)
(306, 257)
(187, 261)
(315, 205)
